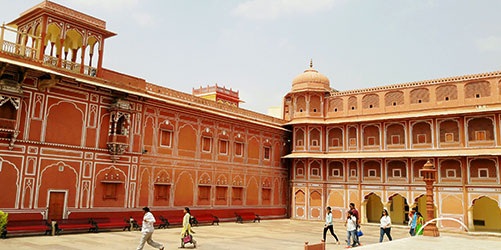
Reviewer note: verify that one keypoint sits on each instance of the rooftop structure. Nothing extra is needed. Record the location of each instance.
(218, 94)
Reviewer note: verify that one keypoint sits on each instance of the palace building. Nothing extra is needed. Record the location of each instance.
(367, 146)
(78, 140)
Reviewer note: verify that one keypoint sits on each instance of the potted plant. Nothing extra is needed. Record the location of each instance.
(3, 224)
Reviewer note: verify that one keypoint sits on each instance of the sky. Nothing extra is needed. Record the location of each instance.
(259, 46)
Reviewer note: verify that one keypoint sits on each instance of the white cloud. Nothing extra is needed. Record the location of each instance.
(491, 43)
(102, 4)
(273, 9)
(143, 19)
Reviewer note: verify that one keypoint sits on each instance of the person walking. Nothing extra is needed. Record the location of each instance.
(357, 216)
(413, 222)
(419, 224)
(329, 226)
(147, 231)
(385, 226)
(187, 233)
(351, 228)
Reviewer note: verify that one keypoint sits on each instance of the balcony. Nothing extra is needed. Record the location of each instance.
(7, 124)
(120, 139)
(28, 47)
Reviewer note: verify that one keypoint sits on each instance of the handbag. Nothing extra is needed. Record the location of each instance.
(359, 233)
(187, 238)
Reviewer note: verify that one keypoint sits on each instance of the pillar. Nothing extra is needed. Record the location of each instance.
(60, 52)
(2, 31)
(42, 39)
(100, 60)
(82, 65)
(429, 177)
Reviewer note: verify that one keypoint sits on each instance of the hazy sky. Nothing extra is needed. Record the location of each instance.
(259, 46)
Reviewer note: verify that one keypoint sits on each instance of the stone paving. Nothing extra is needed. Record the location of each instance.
(275, 234)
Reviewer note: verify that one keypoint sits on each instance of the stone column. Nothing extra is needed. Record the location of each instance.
(429, 175)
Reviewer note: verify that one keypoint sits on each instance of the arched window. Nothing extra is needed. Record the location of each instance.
(335, 137)
(421, 133)
(299, 138)
(315, 137)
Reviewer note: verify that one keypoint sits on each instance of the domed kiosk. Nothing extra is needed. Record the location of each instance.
(307, 98)
(310, 80)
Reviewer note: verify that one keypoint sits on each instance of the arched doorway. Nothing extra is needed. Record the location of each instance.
(420, 205)
(373, 208)
(486, 215)
(398, 209)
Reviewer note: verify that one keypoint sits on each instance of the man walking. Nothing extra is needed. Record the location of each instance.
(356, 215)
(147, 231)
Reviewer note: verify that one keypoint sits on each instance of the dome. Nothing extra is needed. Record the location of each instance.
(310, 80)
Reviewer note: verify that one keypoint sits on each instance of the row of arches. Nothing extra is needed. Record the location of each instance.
(186, 190)
(188, 139)
(33, 192)
(76, 47)
(311, 104)
(485, 212)
(479, 131)
(449, 169)
(420, 95)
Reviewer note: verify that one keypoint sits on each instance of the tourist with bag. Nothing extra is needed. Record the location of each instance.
(187, 233)
(351, 228)
(385, 227)
(357, 216)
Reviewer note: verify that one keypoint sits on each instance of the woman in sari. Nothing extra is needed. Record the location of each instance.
(187, 233)
(419, 223)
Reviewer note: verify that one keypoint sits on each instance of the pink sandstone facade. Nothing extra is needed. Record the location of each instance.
(367, 146)
(78, 140)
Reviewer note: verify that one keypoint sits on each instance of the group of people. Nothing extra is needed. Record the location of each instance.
(416, 222)
(148, 228)
(352, 224)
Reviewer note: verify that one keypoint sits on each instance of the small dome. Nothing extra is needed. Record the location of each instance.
(310, 80)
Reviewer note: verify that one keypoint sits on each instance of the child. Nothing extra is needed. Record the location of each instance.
(351, 228)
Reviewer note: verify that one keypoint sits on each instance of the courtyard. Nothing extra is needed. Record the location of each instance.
(269, 234)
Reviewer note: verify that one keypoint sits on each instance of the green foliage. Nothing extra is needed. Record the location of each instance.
(3, 219)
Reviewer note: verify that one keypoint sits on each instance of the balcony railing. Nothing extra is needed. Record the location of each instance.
(121, 139)
(18, 49)
(32, 52)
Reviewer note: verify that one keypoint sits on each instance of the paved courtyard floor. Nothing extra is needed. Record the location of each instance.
(275, 234)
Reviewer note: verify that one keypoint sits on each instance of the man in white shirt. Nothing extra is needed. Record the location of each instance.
(147, 231)
(351, 228)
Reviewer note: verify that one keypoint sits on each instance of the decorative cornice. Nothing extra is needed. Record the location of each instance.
(420, 83)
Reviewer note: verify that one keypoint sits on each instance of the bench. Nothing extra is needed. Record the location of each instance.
(110, 223)
(247, 217)
(205, 218)
(27, 226)
(75, 224)
(319, 246)
(171, 220)
(164, 223)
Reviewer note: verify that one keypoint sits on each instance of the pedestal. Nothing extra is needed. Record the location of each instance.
(431, 230)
